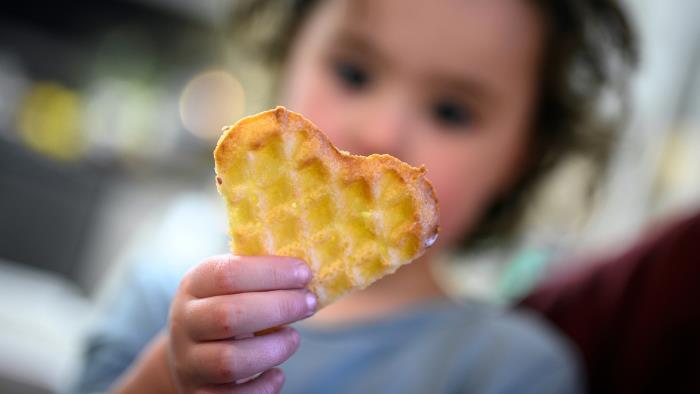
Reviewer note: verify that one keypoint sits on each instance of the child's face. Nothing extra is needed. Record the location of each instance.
(446, 83)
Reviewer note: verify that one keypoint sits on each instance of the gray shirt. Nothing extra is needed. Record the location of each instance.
(436, 347)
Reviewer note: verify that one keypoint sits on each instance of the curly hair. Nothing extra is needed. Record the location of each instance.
(589, 51)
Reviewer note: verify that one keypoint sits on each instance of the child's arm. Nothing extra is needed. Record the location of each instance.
(150, 372)
(218, 306)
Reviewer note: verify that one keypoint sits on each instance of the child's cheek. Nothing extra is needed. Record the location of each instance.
(463, 189)
(457, 210)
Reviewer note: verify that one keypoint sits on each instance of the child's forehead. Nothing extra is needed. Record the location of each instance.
(451, 33)
(434, 18)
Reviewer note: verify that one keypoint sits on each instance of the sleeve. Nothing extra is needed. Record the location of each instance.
(634, 317)
(133, 317)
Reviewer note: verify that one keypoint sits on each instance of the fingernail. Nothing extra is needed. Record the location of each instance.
(311, 303)
(303, 273)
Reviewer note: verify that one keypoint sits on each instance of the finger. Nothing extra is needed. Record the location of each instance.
(232, 315)
(228, 274)
(228, 361)
(269, 382)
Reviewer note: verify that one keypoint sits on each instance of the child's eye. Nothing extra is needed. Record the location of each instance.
(352, 75)
(451, 114)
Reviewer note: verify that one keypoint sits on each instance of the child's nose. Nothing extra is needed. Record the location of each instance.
(383, 129)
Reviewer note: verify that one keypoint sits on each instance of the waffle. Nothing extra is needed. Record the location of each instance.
(290, 192)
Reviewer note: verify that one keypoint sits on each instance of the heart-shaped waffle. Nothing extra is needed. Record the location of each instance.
(290, 192)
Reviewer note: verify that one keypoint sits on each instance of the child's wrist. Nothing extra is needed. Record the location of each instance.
(150, 372)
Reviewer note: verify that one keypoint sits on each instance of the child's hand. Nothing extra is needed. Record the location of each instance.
(219, 305)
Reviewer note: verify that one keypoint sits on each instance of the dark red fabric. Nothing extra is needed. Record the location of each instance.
(634, 317)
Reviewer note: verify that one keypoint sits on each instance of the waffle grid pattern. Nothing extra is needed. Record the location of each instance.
(286, 196)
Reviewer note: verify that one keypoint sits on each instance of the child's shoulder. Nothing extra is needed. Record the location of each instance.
(498, 325)
(441, 347)
(506, 341)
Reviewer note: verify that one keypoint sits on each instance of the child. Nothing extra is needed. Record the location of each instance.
(487, 94)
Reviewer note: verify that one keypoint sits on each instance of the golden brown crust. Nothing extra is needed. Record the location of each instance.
(399, 197)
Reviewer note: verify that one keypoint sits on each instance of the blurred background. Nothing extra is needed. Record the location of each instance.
(109, 112)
